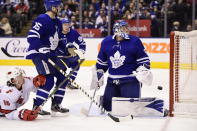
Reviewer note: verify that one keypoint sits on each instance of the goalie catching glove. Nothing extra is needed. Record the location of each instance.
(97, 78)
(144, 75)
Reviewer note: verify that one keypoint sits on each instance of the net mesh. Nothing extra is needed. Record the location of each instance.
(185, 72)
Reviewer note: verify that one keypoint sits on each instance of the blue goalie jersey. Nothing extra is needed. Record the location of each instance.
(43, 35)
(121, 58)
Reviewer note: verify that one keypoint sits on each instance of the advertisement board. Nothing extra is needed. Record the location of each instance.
(90, 33)
(144, 28)
(13, 51)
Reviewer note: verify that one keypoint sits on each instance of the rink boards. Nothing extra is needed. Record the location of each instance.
(157, 49)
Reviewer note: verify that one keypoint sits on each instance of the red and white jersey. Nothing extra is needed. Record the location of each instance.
(11, 98)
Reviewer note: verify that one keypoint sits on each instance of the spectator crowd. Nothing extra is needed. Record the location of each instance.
(15, 14)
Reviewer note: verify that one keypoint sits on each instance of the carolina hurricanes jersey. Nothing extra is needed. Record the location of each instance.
(11, 98)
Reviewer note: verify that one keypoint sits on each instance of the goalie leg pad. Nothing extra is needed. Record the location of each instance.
(149, 106)
(119, 88)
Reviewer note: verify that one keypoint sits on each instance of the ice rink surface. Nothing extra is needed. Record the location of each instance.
(76, 121)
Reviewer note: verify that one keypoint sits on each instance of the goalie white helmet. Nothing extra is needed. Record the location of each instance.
(13, 73)
(121, 28)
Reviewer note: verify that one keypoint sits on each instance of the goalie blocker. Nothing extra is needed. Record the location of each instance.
(149, 106)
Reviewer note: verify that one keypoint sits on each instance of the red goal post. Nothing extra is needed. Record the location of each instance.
(183, 73)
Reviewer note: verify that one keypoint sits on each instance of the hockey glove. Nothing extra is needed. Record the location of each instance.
(46, 53)
(44, 50)
(72, 52)
(80, 53)
(144, 75)
(28, 115)
(39, 80)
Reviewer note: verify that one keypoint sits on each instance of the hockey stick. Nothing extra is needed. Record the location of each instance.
(9, 55)
(67, 78)
(86, 112)
(114, 118)
(64, 56)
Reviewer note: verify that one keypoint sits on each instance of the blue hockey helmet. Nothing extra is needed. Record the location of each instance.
(51, 3)
(66, 24)
(65, 21)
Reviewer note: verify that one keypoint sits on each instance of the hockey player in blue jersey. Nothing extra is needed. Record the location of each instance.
(43, 39)
(71, 44)
(128, 65)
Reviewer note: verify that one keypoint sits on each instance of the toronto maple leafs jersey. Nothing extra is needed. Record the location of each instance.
(43, 35)
(121, 58)
(11, 98)
(71, 39)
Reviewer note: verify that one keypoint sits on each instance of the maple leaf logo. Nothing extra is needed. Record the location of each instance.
(117, 60)
(54, 40)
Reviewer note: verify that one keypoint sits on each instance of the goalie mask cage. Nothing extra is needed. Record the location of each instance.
(183, 74)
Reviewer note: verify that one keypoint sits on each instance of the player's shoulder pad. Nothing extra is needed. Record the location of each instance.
(59, 21)
(42, 18)
(74, 32)
(133, 37)
(135, 40)
(107, 39)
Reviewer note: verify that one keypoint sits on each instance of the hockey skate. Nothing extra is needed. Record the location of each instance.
(58, 110)
(41, 112)
(2, 115)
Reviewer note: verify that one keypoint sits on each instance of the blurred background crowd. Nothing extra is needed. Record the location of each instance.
(16, 15)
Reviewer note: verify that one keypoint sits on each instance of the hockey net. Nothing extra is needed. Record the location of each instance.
(183, 73)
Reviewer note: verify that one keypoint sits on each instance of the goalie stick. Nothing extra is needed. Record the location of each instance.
(9, 55)
(114, 118)
(86, 112)
(67, 78)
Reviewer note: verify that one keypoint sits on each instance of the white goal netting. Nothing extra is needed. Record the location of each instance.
(183, 71)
